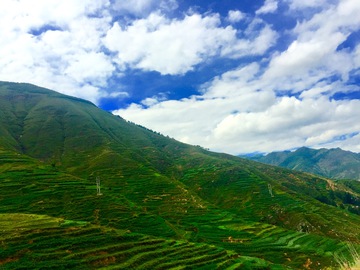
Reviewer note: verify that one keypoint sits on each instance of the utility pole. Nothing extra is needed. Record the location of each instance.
(98, 191)
(270, 190)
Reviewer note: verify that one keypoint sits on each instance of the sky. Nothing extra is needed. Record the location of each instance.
(249, 76)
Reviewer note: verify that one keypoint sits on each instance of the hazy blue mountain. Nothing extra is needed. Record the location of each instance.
(332, 163)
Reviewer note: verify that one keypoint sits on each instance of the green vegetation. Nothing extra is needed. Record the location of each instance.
(332, 163)
(164, 204)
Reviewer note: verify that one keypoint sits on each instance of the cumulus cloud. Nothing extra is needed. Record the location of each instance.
(177, 46)
(270, 6)
(314, 54)
(288, 123)
(194, 119)
(281, 104)
(60, 44)
(282, 101)
(143, 8)
(235, 16)
(156, 43)
(350, 142)
(55, 44)
(303, 4)
(234, 115)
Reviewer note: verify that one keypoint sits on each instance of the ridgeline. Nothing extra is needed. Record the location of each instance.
(163, 204)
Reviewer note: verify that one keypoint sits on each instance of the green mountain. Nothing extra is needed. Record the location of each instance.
(331, 163)
(162, 204)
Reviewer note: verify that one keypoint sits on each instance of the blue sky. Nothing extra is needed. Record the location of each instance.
(233, 76)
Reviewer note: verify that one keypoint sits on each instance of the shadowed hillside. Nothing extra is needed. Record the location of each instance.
(332, 163)
(164, 204)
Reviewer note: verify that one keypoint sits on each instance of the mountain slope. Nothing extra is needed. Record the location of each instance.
(176, 205)
(332, 163)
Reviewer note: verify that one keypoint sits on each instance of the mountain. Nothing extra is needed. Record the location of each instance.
(331, 163)
(162, 204)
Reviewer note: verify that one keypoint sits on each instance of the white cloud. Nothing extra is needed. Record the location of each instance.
(118, 94)
(314, 54)
(233, 115)
(194, 119)
(60, 44)
(340, 18)
(235, 16)
(270, 6)
(282, 124)
(143, 8)
(93, 66)
(265, 39)
(302, 4)
(176, 46)
(65, 53)
(24, 15)
(232, 83)
(241, 111)
(64, 45)
(350, 142)
(356, 56)
(302, 62)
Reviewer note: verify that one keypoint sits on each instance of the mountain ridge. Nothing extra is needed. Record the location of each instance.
(163, 203)
(333, 163)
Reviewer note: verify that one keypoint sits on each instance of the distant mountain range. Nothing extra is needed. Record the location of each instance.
(81, 188)
(331, 163)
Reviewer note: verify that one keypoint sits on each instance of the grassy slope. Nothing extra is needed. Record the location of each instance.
(156, 187)
(332, 163)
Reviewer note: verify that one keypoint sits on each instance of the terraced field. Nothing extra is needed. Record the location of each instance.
(41, 242)
(164, 205)
(152, 230)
